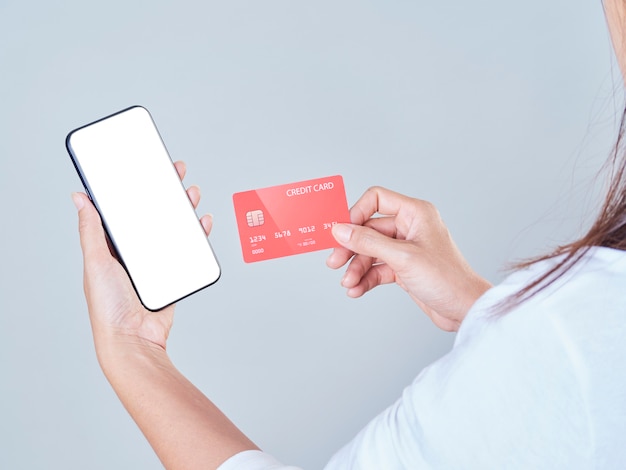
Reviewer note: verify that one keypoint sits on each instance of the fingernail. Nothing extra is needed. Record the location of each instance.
(78, 201)
(342, 232)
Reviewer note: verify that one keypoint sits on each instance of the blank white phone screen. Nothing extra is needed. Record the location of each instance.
(129, 175)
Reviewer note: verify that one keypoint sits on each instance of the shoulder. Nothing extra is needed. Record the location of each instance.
(565, 347)
(593, 289)
(579, 320)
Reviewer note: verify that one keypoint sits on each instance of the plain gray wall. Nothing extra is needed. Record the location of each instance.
(498, 112)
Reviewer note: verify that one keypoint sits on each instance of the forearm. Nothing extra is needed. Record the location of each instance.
(185, 429)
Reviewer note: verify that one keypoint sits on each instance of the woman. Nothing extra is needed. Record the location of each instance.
(536, 378)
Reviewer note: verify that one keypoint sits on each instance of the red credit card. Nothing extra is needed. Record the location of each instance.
(291, 218)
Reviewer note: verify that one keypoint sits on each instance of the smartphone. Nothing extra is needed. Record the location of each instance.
(146, 213)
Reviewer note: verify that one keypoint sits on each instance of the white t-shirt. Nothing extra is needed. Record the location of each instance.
(542, 386)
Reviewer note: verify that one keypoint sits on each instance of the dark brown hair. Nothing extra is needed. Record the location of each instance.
(608, 229)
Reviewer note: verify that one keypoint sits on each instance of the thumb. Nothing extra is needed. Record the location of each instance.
(92, 239)
(369, 242)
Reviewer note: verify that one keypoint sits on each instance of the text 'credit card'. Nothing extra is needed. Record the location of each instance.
(290, 219)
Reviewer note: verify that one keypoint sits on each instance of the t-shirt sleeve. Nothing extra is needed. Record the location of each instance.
(254, 460)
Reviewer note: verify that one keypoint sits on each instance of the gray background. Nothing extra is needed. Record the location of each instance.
(498, 112)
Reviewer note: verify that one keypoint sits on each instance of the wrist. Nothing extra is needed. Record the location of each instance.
(119, 354)
(477, 287)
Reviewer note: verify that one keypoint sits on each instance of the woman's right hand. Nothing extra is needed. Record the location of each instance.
(117, 316)
(409, 245)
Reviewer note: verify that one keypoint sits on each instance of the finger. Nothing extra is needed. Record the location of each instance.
(369, 242)
(355, 271)
(377, 200)
(340, 255)
(377, 275)
(207, 223)
(181, 168)
(385, 225)
(92, 238)
(194, 195)
(358, 270)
